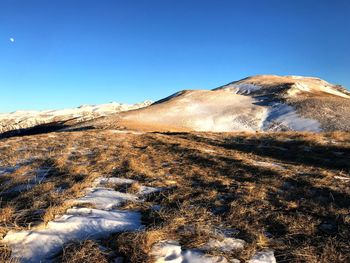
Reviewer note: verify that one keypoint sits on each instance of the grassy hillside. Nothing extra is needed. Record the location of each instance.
(289, 192)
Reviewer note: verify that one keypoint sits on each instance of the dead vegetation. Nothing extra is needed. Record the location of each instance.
(84, 251)
(330, 119)
(286, 191)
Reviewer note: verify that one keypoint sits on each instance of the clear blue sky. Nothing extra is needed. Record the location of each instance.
(71, 52)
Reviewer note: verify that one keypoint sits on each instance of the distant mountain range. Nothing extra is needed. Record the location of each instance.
(19, 121)
(258, 103)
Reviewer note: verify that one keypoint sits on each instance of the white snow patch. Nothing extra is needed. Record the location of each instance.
(107, 198)
(227, 244)
(77, 224)
(112, 180)
(170, 251)
(308, 84)
(282, 116)
(297, 88)
(147, 190)
(104, 198)
(243, 88)
(266, 256)
(226, 123)
(330, 90)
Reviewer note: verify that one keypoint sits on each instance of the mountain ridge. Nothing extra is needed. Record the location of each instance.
(270, 103)
(256, 103)
(23, 119)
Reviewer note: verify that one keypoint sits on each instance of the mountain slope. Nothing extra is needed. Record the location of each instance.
(200, 110)
(259, 103)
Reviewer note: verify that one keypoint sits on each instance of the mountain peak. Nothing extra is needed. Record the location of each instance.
(289, 85)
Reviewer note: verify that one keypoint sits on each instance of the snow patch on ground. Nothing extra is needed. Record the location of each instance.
(112, 180)
(79, 223)
(242, 88)
(227, 244)
(225, 123)
(330, 90)
(297, 88)
(266, 256)
(285, 117)
(107, 199)
(171, 251)
(147, 190)
(323, 86)
(246, 89)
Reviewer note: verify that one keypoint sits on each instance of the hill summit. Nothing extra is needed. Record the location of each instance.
(258, 103)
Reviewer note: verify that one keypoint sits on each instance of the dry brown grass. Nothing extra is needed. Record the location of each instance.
(137, 245)
(6, 218)
(212, 183)
(5, 255)
(82, 252)
(330, 119)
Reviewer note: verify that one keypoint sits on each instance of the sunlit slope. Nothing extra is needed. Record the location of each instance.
(200, 110)
(259, 103)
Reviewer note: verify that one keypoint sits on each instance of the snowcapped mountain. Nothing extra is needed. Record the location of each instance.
(259, 103)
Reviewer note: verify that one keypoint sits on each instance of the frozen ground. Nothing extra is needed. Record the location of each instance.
(171, 251)
(40, 245)
(79, 223)
(284, 117)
